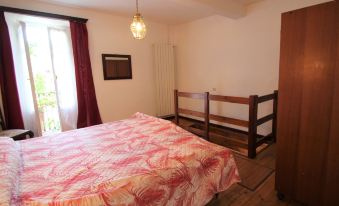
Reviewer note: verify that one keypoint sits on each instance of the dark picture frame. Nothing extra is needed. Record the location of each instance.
(117, 66)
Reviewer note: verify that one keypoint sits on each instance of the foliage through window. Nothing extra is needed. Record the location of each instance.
(45, 72)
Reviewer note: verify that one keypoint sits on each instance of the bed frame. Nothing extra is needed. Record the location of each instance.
(254, 140)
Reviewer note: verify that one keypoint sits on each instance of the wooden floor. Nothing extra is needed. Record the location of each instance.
(264, 195)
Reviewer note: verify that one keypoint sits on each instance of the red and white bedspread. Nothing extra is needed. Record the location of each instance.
(142, 160)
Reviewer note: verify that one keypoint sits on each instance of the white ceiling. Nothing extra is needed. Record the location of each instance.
(164, 11)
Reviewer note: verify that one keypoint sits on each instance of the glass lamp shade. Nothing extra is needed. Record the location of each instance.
(138, 27)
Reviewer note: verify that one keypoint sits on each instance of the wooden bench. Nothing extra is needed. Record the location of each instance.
(253, 139)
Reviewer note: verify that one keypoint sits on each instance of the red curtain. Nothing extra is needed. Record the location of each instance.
(88, 112)
(9, 90)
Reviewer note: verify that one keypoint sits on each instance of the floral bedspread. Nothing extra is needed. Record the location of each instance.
(142, 160)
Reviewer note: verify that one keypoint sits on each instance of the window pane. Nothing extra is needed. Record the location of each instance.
(39, 51)
(64, 69)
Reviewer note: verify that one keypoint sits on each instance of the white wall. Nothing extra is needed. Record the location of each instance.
(117, 99)
(236, 57)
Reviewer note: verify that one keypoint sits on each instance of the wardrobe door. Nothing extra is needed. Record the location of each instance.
(330, 185)
(307, 72)
(289, 103)
(316, 108)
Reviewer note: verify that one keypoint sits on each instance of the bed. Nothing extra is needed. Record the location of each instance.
(142, 160)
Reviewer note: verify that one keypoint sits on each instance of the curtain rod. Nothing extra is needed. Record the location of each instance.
(42, 14)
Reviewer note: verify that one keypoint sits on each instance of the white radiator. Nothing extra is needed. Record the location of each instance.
(163, 55)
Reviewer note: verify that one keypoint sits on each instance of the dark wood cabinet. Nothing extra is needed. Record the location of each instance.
(308, 106)
(117, 66)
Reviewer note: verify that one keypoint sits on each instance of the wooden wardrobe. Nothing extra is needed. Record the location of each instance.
(307, 167)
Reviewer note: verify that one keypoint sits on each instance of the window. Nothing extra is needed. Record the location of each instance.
(45, 73)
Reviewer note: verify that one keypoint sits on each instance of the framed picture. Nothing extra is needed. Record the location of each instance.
(117, 66)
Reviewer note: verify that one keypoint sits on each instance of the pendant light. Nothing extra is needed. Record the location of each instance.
(138, 27)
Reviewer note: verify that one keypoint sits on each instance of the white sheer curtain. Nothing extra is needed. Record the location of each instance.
(29, 114)
(62, 64)
(63, 61)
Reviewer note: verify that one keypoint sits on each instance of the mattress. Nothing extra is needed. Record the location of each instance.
(142, 160)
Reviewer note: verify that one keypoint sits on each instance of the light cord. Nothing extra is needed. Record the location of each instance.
(137, 4)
